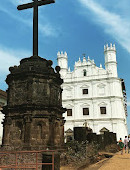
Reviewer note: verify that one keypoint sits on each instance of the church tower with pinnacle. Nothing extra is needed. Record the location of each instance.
(110, 59)
(63, 63)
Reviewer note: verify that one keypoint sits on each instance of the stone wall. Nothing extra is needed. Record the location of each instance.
(108, 138)
(24, 159)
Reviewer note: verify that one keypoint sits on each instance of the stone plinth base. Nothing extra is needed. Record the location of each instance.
(29, 159)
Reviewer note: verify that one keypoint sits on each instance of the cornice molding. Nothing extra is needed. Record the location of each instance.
(93, 98)
(99, 119)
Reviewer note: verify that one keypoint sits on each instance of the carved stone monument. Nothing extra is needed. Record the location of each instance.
(33, 115)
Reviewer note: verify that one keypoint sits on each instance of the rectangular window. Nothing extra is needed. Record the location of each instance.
(85, 111)
(85, 91)
(103, 110)
(69, 112)
(85, 73)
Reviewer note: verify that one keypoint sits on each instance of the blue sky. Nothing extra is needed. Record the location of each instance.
(74, 26)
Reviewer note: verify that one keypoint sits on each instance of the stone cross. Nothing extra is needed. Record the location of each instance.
(35, 5)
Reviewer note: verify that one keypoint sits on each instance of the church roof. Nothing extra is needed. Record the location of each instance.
(69, 131)
(104, 130)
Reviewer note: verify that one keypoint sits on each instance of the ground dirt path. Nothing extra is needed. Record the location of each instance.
(117, 162)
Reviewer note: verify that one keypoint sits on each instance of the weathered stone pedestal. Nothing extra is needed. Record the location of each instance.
(33, 115)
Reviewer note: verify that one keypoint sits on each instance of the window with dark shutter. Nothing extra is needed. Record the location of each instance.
(85, 111)
(69, 112)
(85, 91)
(84, 73)
(103, 110)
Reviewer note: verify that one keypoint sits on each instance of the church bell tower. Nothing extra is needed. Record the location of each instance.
(110, 59)
(63, 63)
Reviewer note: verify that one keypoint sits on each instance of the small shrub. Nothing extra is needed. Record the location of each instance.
(92, 151)
(79, 153)
(113, 148)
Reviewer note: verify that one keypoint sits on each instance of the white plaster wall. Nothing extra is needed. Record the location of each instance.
(121, 130)
(4, 102)
(1, 126)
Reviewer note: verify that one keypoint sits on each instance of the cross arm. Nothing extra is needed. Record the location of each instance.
(44, 2)
(39, 3)
(25, 6)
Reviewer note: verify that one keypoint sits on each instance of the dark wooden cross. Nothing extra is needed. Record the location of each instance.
(35, 5)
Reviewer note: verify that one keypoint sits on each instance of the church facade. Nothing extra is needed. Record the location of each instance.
(94, 96)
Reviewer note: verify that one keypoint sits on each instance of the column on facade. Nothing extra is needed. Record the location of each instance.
(27, 133)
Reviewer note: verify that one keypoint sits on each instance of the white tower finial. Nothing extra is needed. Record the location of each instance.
(62, 62)
(84, 59)
(93, 60)
(65, 53)
(58, 53)
(114, 47)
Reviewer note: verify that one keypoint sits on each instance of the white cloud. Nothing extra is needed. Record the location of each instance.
(10, 57)
(113, 23)
(48, 30)
(18, 2)
(45, 27)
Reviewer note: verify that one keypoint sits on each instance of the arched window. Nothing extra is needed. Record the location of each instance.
(84, 73)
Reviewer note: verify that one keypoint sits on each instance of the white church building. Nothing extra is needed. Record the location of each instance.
(94, 95)
(3, 101)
